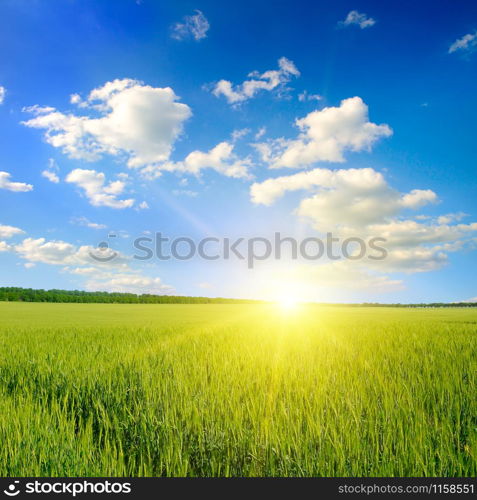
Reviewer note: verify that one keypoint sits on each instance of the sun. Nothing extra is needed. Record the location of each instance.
(287, 304)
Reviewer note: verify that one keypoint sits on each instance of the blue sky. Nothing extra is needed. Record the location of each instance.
(356, 118)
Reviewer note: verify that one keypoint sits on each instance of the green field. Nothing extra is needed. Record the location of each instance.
(236, 390)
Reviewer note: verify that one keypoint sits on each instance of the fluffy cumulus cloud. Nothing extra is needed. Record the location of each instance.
(195, 26)
(465, 44)
(449, 218)
(2, 94)
(101, 268)
(98, 192)
(6, 183)
(325, 135)
(360, 203)
(269, 80)
(137, 122)
(9, 231)
(127, 283)
(358, 19)
(61, 253)
(220, 158)
(342, 187)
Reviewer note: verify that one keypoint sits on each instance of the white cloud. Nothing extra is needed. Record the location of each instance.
(418, 259)
(47, 252)
(67, 255)
(9, 231)
(466, 43)
(51, 176)
(4, 246)
(418, 198)
(346, 275)
(360, 203)
(261, 132)
(5, 183)
(83, 221)
(97, 191)
(305, 96)
(195, 26)
(81, 271)
(51, 172)
(220, 158)
(136, 121)
(76, 99)
(128, 283)
(269, 80)
(239, 133)
(2, 94)
(406, 232)
(52, 252)
(325, 135)
(449, 218)
(322, 282)
(356, 18)
(143, 205)
(124, 281)
(114, 275)
(345, 197)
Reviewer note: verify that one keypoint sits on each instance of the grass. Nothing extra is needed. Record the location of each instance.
(236, 390)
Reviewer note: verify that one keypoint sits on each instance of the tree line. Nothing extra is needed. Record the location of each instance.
(16, 294)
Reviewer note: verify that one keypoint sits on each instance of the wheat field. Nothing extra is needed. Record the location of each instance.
(237, 390)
